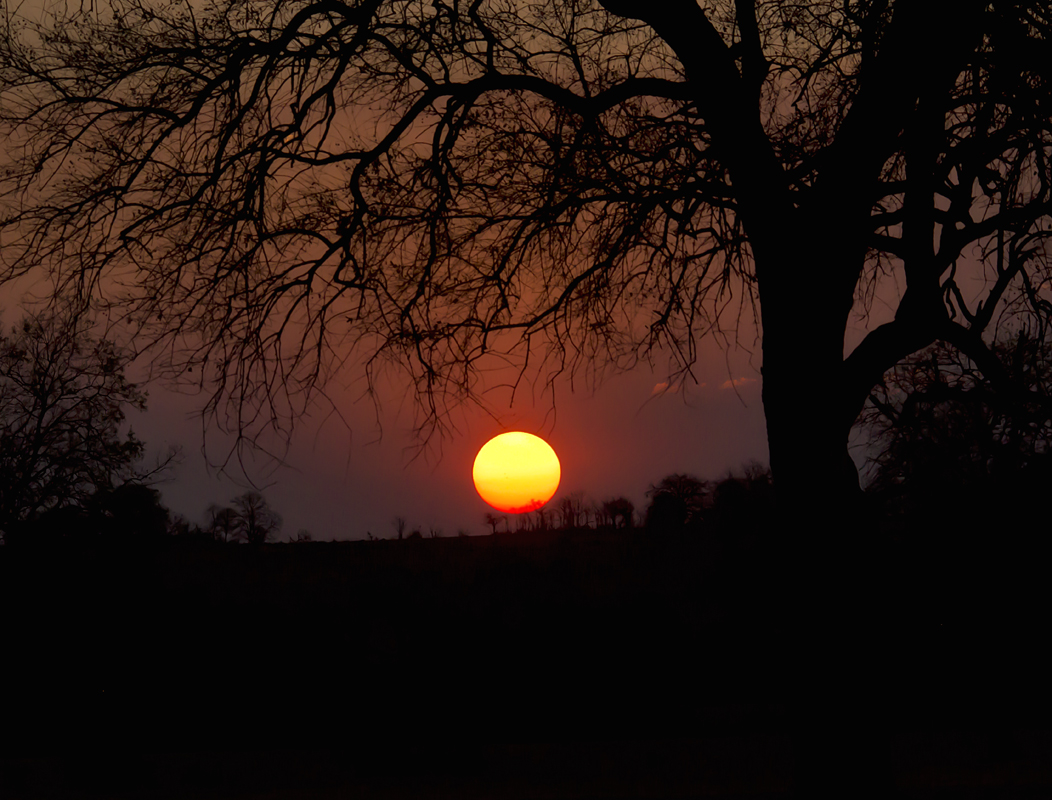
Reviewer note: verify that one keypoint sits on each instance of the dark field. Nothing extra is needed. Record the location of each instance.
(557, 664)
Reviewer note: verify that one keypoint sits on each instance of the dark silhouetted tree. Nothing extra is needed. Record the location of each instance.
(180, 526)
(572, 510)
(678, 501)
(131, 510)
(492, 520)
(224, 523)
(944, 441)
(592, 181)
(63, 397)
(259, 523)
(541, 518)
(618, 512)
(602, 519)
(68, 524)
(745, 500)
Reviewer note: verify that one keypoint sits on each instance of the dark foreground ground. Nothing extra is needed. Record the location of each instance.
(563, 664)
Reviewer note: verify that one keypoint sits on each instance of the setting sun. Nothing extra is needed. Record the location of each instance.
(516, 472)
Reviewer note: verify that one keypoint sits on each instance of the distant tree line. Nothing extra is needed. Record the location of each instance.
(249, 520)
(677, 503)
(947, 455)
(942, 444)
(568, 512)
(67, 471)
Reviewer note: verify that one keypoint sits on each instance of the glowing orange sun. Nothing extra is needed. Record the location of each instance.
(516, 472)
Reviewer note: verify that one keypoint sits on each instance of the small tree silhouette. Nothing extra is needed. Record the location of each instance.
(224, 523)
(744, 501)
(259, 523)
(618, 512)
(179, 525)
(571, 509)
(676, 502)
(540, 518)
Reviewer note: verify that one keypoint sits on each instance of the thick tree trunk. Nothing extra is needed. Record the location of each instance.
(805, 300)
(841, 738)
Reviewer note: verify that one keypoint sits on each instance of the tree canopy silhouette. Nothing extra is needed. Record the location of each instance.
(268, 189)
(944, 440)
(676, 501)
(250, 520)
(63, 397)
(258, 522)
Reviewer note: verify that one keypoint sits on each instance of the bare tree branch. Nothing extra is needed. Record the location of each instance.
(266, 195)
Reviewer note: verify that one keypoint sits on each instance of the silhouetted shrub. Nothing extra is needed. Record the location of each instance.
(618, 512)
(747, 499)
(131, 510)
(677, 502)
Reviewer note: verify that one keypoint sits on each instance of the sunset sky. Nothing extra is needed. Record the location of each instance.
(627, 434)
(617, 438)
(343, 483)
